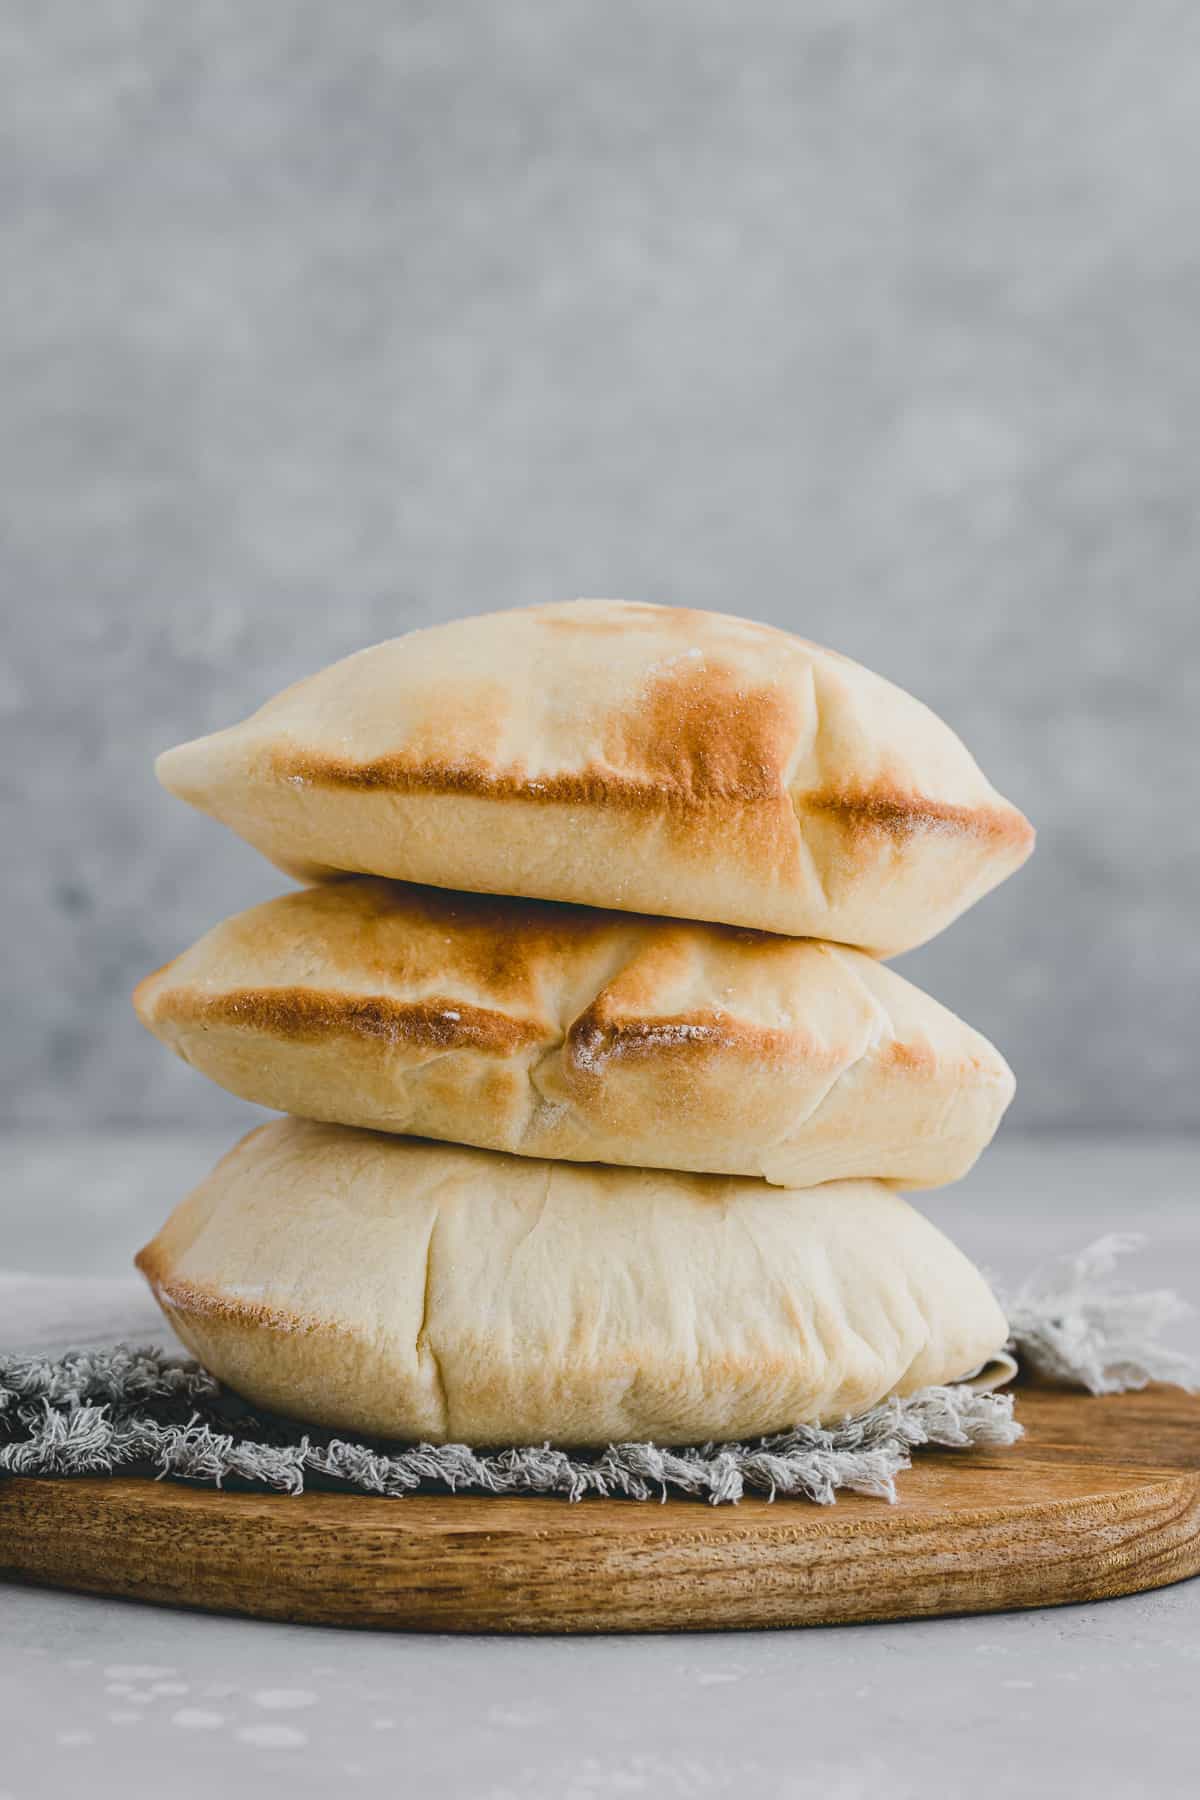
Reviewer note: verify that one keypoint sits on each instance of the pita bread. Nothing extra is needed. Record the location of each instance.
(645, 758)
(423, 1291)
(560, 1031)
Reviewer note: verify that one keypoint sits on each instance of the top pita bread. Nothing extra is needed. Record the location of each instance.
(646, 758)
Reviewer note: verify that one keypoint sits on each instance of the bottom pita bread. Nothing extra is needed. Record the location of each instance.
(415, 1290)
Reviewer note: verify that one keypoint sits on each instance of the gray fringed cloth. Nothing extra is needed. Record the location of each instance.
(154, 1413)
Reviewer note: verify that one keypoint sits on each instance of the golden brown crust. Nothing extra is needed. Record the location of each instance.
(579, 1035)
(594, 786)
(204, 1301)
(383, 933)
(701, 773)
(656, 760)
(305, 1014)
(890, 810)
(697, 737)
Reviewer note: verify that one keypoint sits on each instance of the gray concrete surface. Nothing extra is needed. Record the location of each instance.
(116, 1700)
(1098, 1699)
(876, 318)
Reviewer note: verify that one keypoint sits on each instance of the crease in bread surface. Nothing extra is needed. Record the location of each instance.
(424, 1344)
(566, 1032)
(655, 759)
(575, 1304)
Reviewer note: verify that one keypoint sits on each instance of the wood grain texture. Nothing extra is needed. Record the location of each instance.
(1101, 1498)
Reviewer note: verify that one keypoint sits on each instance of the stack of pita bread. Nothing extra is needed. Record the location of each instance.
(597, 1084)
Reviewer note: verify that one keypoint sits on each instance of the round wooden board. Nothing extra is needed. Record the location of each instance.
(1102, 1497)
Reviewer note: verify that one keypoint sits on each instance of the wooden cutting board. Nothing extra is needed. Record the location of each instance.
(1102, 1497)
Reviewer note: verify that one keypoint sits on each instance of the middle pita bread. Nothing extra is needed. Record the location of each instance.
(560, 1031)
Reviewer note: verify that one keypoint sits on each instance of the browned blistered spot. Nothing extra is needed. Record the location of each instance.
(596, 1036)
(917, 1058)
(506, 947)
(700, 734)
(395, 932)
(301, 1015)
(899, 814)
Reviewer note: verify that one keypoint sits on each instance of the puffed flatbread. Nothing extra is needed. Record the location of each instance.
(644, 758)
(423, 1291)
(560, 1031)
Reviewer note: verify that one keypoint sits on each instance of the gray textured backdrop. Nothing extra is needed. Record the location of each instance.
(876, 320)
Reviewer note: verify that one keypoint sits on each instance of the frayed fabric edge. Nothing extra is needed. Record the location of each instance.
(70, 1418)
(146, 1412)
(1073, 1324)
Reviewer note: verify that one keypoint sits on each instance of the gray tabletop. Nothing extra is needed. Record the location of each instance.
(124, 1699)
